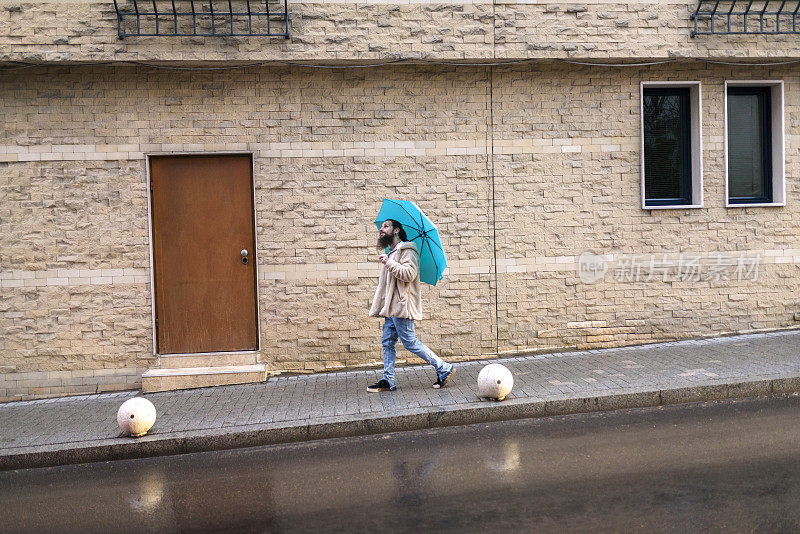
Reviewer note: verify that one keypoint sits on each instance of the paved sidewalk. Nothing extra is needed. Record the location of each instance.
(300, 408)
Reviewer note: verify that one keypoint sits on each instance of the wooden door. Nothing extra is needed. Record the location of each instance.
(203, 217)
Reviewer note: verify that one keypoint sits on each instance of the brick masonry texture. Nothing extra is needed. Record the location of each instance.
(595, 206)
(45, 384)
(523, 168)
(358, 30)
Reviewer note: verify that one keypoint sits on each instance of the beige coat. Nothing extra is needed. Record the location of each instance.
(398, 293)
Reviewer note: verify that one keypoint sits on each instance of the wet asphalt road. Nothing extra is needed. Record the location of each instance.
(716, 467)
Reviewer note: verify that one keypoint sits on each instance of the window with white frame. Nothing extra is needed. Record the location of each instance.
(671, 145)
(754, 145)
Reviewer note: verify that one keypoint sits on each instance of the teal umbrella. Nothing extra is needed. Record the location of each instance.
(421, 231)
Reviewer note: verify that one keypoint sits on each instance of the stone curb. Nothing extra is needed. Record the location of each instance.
(348, 426)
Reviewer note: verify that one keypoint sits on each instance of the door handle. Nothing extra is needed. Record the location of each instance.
(244, 256)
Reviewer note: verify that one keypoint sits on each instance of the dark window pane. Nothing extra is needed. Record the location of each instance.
(749, 145)
(667, 159)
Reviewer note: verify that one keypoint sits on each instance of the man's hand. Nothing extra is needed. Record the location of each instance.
(383, 258)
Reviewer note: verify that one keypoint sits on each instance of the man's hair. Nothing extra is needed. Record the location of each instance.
(402, 233)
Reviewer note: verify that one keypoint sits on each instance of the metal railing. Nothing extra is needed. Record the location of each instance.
(739, 17)
(202, 18)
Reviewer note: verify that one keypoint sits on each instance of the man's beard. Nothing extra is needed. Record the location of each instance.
(384, 241)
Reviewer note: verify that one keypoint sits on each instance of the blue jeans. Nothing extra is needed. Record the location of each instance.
(395, 328)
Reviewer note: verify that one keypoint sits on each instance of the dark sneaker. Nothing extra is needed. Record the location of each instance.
(440, 382)
(382, 385)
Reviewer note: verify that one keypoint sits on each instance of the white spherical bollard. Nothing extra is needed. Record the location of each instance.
(136, 416)
(495, 381)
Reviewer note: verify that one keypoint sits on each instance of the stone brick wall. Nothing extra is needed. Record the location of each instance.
(74, 269)
(529, 165)
(567, 182)
(370, 30)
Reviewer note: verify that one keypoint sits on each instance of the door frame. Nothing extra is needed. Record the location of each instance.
(252, 155)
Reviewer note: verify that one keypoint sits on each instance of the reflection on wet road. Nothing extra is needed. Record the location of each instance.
(732, 467)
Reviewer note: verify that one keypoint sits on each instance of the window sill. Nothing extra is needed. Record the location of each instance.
(756, 205)
(673, 207)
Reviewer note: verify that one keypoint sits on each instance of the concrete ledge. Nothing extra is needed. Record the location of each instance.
(170, 379)
(156, 444)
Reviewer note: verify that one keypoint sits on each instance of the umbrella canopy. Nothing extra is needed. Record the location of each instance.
(421, 231)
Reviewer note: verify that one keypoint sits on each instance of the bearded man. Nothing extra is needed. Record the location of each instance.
(397, 300)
